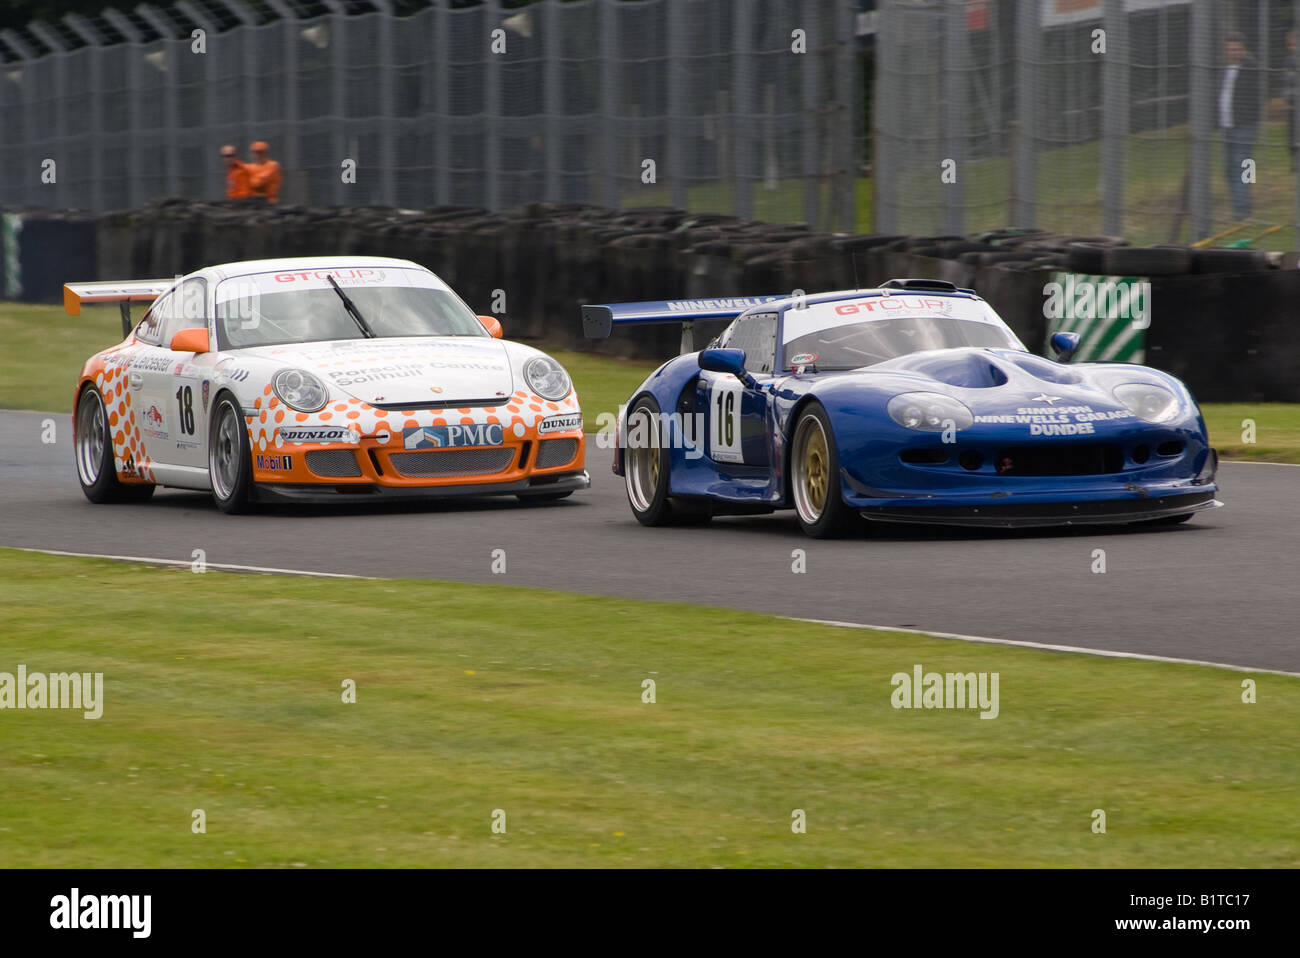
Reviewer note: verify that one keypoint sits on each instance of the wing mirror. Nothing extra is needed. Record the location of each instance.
(190, 341)
(1064, 345)
(724, 361)
(491, 324)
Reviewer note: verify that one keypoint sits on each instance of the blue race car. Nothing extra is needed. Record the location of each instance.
(912, 402)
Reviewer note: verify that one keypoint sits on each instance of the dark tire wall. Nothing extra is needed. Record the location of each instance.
(1224, 320)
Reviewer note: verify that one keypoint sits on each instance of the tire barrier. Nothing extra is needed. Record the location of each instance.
(1224, 320)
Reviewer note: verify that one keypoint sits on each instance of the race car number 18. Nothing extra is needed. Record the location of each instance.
(724, 438)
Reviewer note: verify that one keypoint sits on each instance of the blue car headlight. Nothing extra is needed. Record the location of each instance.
(1147, 401)
(929, 412)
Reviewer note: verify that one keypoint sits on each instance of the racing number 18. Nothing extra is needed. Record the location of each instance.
(185, 400)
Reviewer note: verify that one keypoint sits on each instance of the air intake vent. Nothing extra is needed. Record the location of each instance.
(453, 462)
(334, 463)
(556, 452)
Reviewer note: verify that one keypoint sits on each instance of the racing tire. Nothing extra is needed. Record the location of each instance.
(93, 447)
(230, 456)
(645, 477)
(1146, 261)
(815, 478)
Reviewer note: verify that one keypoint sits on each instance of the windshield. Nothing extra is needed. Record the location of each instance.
(864, 344)
(269, 309)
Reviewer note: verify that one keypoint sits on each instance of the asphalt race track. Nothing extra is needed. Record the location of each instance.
(1224, 587)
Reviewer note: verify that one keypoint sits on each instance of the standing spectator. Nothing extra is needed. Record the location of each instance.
(1239, 110)
(265, 175)
(237, 178)
(1288, 94)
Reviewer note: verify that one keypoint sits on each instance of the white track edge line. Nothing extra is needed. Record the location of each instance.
(1042, 646)
(223, 566)
(961, 637)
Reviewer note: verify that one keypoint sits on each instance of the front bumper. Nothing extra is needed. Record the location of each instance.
(1019, 515)
(539, 485)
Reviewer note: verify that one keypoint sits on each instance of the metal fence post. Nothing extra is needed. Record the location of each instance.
(554, 99)
(171, 159)
(492, 113)
(291, 149)
(742, 111)
(55, 118)
(133, 94)
(94, 116)
(338, 28)
(1114, 116)
(847, 122)
(384, 169)
(212, 171)
(811, 108)
(610, 102)
(675, 154)
(884, 187)
(1029, 38)
(1200, 117)
(955, 94)
(30, 163)
(441, 75)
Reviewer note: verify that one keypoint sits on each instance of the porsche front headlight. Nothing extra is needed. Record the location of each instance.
(929, 412)
(300, 390)
(1147, 401)
(547, 378)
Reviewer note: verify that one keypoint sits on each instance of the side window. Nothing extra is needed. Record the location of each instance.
(154, 321)
(188, 307)
(756, 335)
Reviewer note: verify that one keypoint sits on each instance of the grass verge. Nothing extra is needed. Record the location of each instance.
(222, 693)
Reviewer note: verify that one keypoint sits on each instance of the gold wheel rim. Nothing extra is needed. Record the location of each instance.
(815, 470)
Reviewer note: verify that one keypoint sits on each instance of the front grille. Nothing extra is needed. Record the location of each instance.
(556, 452)
(1059, 459)
(453, 462)
(335, 463)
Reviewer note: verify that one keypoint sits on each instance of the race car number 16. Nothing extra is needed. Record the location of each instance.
(724, 439)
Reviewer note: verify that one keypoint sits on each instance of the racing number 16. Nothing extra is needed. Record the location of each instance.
(726, 409)
(724, 438)
(185, 400)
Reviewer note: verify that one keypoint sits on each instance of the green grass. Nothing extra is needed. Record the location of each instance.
(1276, 432)
(476, 698)
(42, 351)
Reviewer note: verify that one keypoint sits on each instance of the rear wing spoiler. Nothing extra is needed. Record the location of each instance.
(122, 292)
(599, 321)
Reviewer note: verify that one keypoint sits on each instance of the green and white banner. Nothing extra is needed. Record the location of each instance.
(1111, 314)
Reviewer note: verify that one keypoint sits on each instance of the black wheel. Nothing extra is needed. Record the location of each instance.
(645, 472)
(94, 450)
(545, 496)
(230, 458)
(815, 478)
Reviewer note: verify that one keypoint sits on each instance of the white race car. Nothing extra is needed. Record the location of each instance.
(328, 378)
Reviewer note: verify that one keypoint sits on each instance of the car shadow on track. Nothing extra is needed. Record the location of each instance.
(202, 502)
(786, 524)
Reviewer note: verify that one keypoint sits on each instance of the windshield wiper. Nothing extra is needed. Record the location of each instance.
(351, 307)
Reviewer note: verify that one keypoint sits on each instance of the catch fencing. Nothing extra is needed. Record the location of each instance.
(1082, 117)
(745, 107)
